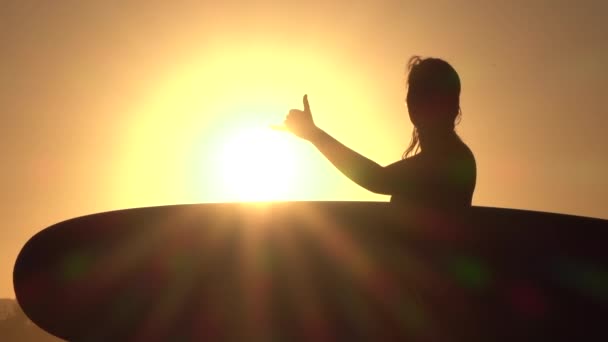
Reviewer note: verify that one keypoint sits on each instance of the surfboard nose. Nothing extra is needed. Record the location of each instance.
(46, 279)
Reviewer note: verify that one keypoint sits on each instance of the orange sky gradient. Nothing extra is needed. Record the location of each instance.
(108, 105)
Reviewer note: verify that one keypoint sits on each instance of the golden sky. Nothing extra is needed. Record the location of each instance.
(116, 104)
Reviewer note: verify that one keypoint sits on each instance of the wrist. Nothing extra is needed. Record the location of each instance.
(316, 135)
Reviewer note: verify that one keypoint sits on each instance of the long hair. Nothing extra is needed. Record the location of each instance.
(414, 145)
(431, 76)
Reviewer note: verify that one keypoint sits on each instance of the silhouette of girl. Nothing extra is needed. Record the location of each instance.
(437, 170)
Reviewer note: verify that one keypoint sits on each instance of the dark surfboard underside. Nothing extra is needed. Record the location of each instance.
(317, 271)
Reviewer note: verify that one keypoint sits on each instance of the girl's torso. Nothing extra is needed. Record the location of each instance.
(440, 178)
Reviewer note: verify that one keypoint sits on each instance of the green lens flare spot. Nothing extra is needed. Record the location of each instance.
(76, 265)
(470, 272)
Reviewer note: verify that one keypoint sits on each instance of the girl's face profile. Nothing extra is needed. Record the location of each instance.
(418, 108)
(428, 110)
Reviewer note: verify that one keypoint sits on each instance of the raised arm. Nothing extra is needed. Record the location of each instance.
(358, 168)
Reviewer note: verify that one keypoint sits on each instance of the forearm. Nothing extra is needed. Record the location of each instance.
(358, 168)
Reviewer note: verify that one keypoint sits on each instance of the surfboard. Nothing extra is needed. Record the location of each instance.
(316, 271)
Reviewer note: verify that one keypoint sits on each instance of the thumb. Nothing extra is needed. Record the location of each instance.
(306, 105)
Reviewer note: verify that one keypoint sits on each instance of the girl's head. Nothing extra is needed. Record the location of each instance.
(433, 97)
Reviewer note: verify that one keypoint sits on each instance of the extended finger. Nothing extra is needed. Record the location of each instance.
(306, 104)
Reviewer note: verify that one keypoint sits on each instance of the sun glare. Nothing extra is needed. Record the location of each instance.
(256, 164)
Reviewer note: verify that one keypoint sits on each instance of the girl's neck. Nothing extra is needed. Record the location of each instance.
(436, 140)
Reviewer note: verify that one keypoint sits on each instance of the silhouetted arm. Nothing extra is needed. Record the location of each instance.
(368, 174)
(358, 168)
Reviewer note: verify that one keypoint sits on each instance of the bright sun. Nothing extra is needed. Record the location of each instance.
(256, 164)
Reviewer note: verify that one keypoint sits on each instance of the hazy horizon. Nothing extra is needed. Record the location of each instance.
(111, 105)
